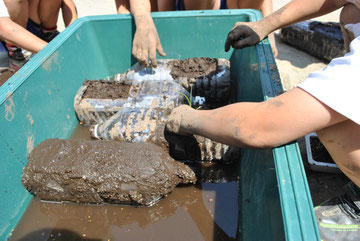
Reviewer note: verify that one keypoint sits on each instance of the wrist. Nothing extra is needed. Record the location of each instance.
(266, 28)
(190, 121)
(142, 20)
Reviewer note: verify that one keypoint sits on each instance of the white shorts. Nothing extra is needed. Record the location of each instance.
(3, 10)
(338, 84)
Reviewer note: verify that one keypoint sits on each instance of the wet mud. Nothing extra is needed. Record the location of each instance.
(205, 77)
(105, 90)
(5, 74)
(193, 67)
(206, 211)
(87, 171)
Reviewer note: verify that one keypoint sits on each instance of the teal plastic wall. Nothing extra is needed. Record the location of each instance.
(37, 104)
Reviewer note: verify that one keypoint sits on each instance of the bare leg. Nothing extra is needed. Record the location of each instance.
(49, 13)
(154, 6)
(349, 14)
(19, 11)
(34, 11)
(69, 12)
(342, 140)
(201, 4)
(166, 5)
(122, 6)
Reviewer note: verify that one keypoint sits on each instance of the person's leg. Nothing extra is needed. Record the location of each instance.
(18, 10)
(202, 4)
(349, 14)
(343, 143)
(19, 13)
(69, 12)
(122, 6)
(34, 11)
(166, 5)
(154, 5)
(49, 13)
(340, 216)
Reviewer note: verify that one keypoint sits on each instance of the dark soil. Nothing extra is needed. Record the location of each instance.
(102, 172)
(5, 75)
(193, 67)
(106, 90)
(319, 152)
(324, 186)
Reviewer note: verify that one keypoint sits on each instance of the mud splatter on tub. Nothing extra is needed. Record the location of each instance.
(9, 107)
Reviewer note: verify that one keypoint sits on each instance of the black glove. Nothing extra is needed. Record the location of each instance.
(240, 37)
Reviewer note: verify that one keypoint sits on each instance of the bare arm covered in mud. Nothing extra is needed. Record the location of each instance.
(14, 33)
(245, 34)
(257, 125)
(276, 122)
(146, 40)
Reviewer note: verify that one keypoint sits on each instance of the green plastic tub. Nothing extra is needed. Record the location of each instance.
(37, 104)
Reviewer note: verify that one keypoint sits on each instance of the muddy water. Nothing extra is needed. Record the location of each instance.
(205, 211)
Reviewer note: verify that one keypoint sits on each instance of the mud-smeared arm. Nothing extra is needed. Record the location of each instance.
(257, 124)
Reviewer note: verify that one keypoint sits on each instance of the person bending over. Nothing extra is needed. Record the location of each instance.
(40, 18)
(15, 34)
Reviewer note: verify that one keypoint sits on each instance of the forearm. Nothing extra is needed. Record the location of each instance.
(140, 9)
(299, 10)
(14, 33)
(69, 12)
(229, 125)
(265, 124)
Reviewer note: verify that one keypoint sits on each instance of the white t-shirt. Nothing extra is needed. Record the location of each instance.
(338, 84)
(3, 10)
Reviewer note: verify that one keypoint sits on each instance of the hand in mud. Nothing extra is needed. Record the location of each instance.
(244, 35)
(177, 123)
(146, 41)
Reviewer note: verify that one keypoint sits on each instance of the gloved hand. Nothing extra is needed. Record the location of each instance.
(244, 34)
(356, 2)
(354, 28)
(146, 41)
(177, 122)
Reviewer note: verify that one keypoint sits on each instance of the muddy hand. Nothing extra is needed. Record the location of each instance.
(146, 42)
(178, 122)
(244, 35)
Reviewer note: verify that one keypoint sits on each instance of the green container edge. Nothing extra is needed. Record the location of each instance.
(295, 197)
